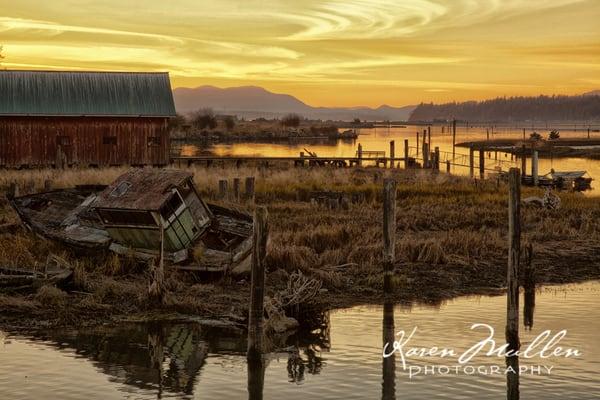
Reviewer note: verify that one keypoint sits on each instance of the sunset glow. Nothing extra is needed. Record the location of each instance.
(327, 53)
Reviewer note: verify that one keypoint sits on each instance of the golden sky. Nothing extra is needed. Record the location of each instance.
(327, 53)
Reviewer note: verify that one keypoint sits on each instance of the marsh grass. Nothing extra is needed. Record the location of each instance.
(451, 237)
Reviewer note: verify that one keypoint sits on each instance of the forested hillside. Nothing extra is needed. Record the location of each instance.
(513, 109)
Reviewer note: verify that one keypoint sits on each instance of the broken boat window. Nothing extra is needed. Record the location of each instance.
(121, 189)
(171, 206)
(127, 217)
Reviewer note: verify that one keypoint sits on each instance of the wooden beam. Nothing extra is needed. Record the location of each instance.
(514, 251)
(389, 232)
(257, 288)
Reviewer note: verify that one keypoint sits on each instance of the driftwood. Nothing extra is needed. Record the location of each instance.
(54, 271)
(549, 201)
(300, 289)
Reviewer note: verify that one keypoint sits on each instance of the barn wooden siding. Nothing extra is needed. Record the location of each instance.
(33, 141)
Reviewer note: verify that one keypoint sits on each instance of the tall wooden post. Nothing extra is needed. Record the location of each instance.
(534, 168)
(260, 235)
(453, 139)
(389, 232)
(425, 155)
(481, 163)
(249, 186)
(529, 287)
(222, 188)
(514, 250)
(392, 153)
(437, 158)
(448, 166)
(360, 154)
(13, 190)
(156, 290)
(523, 139)
(236, 189)
(471, 162)
(523, 160)
(417, 143)
(406, 153)
(429, 135)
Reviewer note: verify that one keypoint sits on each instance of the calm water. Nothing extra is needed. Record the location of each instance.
(378, 140)
(341, 360)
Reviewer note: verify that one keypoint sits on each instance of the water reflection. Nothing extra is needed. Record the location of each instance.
(339, 357)
(388, 387)
(256, 377)
(528, 307)
(512, 378)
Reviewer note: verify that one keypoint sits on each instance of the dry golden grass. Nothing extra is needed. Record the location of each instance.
(451, 235)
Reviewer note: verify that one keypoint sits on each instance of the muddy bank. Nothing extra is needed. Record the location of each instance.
(451, 240)
(585, 148)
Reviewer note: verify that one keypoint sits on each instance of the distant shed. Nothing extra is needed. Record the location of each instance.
(57, 118)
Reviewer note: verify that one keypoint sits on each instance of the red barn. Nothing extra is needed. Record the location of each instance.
(52, 118)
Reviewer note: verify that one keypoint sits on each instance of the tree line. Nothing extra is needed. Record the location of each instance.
(513, 109)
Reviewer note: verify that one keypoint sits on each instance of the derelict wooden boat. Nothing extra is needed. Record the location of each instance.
(132, 215)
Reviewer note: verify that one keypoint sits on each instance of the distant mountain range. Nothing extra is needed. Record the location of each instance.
(255, 102)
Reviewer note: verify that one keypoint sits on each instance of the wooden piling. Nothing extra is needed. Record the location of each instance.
(447, 166)
(523, 160)
(222, 188)
(514, 250)
(437, 158)
(534, 168)
(249, 189)
(429, 135)
(236, 189)
(417, 143)
(453, 138)
(529, 287)
(13, 190)
(471, 162)
(481, 163)
(389, 232)
(523, 139)
(406, 155)
(257, 286)
(360, 154)
(425, 155)
(392, 153)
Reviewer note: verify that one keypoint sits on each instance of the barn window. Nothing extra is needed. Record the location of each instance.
(112, 140)
(63, 140)
(154, 141)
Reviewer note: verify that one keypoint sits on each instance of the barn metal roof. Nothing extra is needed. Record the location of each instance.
(141, 189)
(65, 93)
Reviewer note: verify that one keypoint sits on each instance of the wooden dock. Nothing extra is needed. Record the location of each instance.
(297, 161)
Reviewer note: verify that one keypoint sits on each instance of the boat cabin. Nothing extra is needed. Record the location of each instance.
(142, 202)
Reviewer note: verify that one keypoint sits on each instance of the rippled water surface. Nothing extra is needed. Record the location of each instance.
(342, 359)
